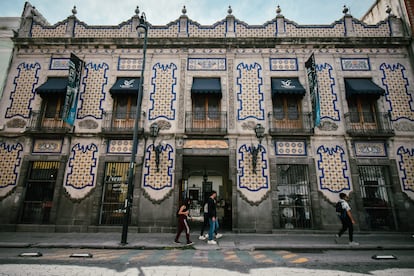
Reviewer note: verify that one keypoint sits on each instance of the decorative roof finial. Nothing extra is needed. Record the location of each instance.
(345, 10)
(137, 11)
(184, 10)
(278, 10)
(229, 10)
(74, 11)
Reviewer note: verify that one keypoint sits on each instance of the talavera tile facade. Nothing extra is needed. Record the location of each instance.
(208, 90)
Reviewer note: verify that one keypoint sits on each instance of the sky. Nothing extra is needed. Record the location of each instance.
(205, 12)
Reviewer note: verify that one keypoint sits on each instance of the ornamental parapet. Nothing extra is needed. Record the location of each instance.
(183, 27)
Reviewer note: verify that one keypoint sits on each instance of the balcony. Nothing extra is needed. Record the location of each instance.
(121, 123)
(373, 124)
(50, 123)
(302, 126)
(206, 123)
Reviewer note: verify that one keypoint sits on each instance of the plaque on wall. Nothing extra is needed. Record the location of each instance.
(355, 64)
(370, 149)
(47, 146)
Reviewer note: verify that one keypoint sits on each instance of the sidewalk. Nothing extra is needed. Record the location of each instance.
(229, 241)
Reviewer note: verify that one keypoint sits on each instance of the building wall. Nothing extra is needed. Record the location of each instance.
(245, 58)
(7, 25)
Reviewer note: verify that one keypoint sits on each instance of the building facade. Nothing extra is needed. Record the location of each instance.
(277, 118)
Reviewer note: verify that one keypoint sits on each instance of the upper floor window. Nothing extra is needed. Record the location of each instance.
(287, 94)
(124, 93)
(362, 95)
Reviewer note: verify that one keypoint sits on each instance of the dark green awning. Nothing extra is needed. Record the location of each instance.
(287, 86)
(206, 86)
(53, 85)
(362, 87)
(125, 86)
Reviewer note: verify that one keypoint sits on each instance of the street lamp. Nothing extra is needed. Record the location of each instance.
(154, 130)
(259, 131)
(142, 27)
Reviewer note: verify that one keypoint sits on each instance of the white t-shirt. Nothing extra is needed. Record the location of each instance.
(345, 205)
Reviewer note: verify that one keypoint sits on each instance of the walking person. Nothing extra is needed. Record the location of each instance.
(212, 216)
(346, 218)
(206, 223)
(183, 215)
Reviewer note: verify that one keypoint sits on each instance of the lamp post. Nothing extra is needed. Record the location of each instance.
(259, 131)
(142, 27)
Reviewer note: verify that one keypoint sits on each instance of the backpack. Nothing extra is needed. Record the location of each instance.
(339, 210)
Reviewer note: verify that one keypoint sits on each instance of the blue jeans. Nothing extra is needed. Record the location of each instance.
(213, 228)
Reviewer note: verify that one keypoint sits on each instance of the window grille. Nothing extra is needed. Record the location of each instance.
(293, 195)
(376, 195)
(40, 187)
(114, 194)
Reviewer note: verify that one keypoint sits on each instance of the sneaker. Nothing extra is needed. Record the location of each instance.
(218, 236)
(211, 242)
(353, 243)
(202, 238)
(206, 236)
(177, 242)
(190, 243)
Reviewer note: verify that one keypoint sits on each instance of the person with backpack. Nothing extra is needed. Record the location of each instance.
(343, 211)
(183, 214)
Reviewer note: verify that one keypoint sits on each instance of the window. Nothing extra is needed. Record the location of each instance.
(53, 108)
(376, 192)
(125, 107)
(206, 111)
(362, 110)
(114, 193)
(40, 188)
(294, 196)
(286, 107)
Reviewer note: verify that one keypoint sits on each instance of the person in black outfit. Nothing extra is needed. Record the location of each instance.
(183, 215)
(347, 219)
(212, 216)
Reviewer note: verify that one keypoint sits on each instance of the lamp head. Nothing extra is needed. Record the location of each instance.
(154, 130)
(259, 130)
(143, 25)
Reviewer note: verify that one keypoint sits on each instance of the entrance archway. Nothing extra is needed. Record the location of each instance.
(201, 175)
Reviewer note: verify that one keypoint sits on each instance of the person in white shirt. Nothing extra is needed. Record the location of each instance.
(347, 219)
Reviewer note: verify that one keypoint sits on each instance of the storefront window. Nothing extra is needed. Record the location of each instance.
(114, 194)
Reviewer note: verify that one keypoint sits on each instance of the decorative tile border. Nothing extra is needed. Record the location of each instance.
(59, 64)
(370, 149)
(119, 146)
(290, 148)
(355, 64)
(206, 64)
(129, 64)
(283, 64)
(47, 146)
(405, 158)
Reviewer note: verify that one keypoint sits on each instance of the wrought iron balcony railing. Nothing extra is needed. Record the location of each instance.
(47, 123)
(120, 122)
(280, 125)
(368, 124)
(210, 123)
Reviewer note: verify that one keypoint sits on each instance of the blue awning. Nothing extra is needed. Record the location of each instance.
(287, 86)
(125, 86)
(206, 86)
(53, 85)
(362, 87)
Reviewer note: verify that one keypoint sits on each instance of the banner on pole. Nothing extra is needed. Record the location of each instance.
(72, 92)
(314, 89)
